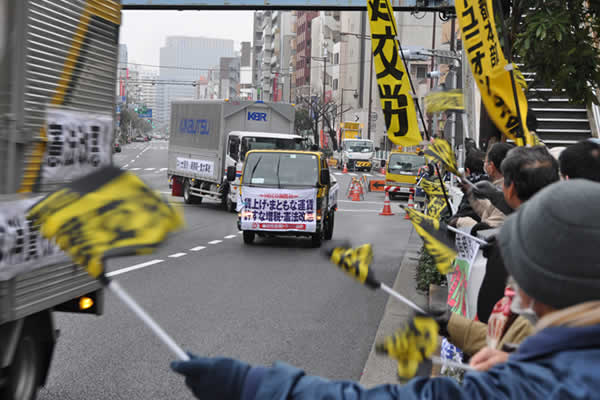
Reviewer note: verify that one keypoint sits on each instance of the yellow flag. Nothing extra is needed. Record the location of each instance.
(441, 151)
(431, 188)
(491, 70)
(392, 79)
(412, 344)
(452, 100)
(356, 262)
(436, 206)
(437, 243)
(105, 214)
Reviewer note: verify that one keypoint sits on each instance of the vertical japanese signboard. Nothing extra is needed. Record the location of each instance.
(392, 79)
(491, 70)
(267, 209)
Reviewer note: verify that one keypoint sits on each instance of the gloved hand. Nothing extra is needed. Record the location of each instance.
(213, 378)
(486, 190)
(441, 315)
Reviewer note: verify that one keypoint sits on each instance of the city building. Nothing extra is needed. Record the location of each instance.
(183, 60)
(229, 77)
(273, 54)
(303, 62)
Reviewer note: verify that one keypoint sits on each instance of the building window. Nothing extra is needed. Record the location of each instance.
(419, 71)
(336, 58)
(335, 84)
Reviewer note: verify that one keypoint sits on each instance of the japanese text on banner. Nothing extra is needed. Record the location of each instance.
(392, 79)
(198, 166)
(458, 280)
(480, 40)
(279, 210)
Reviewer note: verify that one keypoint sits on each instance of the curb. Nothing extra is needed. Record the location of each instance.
(379, 369)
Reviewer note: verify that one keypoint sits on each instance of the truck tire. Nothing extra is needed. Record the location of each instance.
(317, 238)
(230, 205)
(329, 226)
(25, 371)
(188, 197)
(249, 237)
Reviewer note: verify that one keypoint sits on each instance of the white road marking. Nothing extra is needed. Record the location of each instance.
(357, 202)
(197, 248)
(338, 173)
(230, 236)
(132, 161)
(135, 169)
(163, 169)
(177, 255)
(133, 268)
(240, 232)
(368, 175)
(125, 166)
(215, 242)
(166, 192)
(149, 169)
(342, 210)
(352, 174)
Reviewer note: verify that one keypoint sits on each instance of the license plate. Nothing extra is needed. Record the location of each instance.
(405, 190)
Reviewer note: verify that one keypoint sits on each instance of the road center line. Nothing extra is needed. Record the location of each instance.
(135, 169)
(133, 268)
(197, 248)
(341, 210)
(361, 202)
(177, 255)
(230, 236)
(215, 242)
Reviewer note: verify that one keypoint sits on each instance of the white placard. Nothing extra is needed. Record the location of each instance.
(265, 209)
(200, 167)
(78, 144)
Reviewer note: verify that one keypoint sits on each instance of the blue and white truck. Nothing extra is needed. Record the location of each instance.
(208, 137)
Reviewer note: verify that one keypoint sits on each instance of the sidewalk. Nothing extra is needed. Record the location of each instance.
(380, 369)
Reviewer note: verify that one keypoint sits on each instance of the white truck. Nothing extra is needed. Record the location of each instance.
(58, 66)
(210, 138)
(357, 154)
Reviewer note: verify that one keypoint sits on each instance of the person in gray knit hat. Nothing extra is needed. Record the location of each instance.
(551, 247)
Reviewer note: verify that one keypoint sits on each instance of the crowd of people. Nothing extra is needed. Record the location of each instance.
(537, 333)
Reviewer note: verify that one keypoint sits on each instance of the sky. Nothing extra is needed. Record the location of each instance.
(144, 32)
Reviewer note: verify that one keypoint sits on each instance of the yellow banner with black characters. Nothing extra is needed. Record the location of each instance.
(356, 262)
(431, 187)
(491, 70)
(411, 345)
(105, 214)
(434, 235)
(392, 79)
(441, 151)
(452, 100)
(436, 206)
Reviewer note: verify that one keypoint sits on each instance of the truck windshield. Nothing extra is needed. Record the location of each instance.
(405, 163)
(358, 146)
(265, 143)
(281, 169)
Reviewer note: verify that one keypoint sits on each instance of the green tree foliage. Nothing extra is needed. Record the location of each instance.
(302, 123)
(559, 40)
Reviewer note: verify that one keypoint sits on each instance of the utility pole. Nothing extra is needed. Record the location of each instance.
(324, 86)
(370, 95)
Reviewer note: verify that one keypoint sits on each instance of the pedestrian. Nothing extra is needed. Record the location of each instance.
(581, 160)
(550, 247)
(490, 216)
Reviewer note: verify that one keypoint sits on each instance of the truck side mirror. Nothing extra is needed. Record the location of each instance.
(231, 173)
(325, 177)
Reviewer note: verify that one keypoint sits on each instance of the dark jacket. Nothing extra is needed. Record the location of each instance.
(558, 363)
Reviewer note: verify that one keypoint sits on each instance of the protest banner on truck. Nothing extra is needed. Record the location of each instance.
(266, 209)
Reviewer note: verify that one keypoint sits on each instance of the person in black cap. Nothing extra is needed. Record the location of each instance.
(551, 250)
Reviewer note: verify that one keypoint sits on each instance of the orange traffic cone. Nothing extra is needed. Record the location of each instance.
(345, 171)
(356, 193)
(387, 210)
(411, 204)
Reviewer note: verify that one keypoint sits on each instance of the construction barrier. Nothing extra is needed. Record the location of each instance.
(332, 162)
(377, 185)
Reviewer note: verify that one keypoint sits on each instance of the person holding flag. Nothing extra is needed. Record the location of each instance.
(557, 286)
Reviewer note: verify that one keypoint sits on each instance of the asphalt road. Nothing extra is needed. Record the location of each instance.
(278, 299)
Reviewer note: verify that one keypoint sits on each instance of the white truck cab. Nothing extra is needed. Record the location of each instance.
(240, 142)
(357, 154)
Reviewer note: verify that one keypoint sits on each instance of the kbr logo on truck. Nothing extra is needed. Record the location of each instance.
(194, 126)
(257, 116)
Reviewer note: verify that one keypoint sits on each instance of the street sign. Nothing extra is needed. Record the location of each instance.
(376, 185)
(147, 114)
(399, 5)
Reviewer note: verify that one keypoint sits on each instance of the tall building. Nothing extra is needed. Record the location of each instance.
(229, 77)
(272, 54)
(122, 70)
(303, 51)
(246, 54)
(183, 60)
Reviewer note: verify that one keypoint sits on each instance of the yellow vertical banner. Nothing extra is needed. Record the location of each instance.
(392, 79)
(491, 70)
